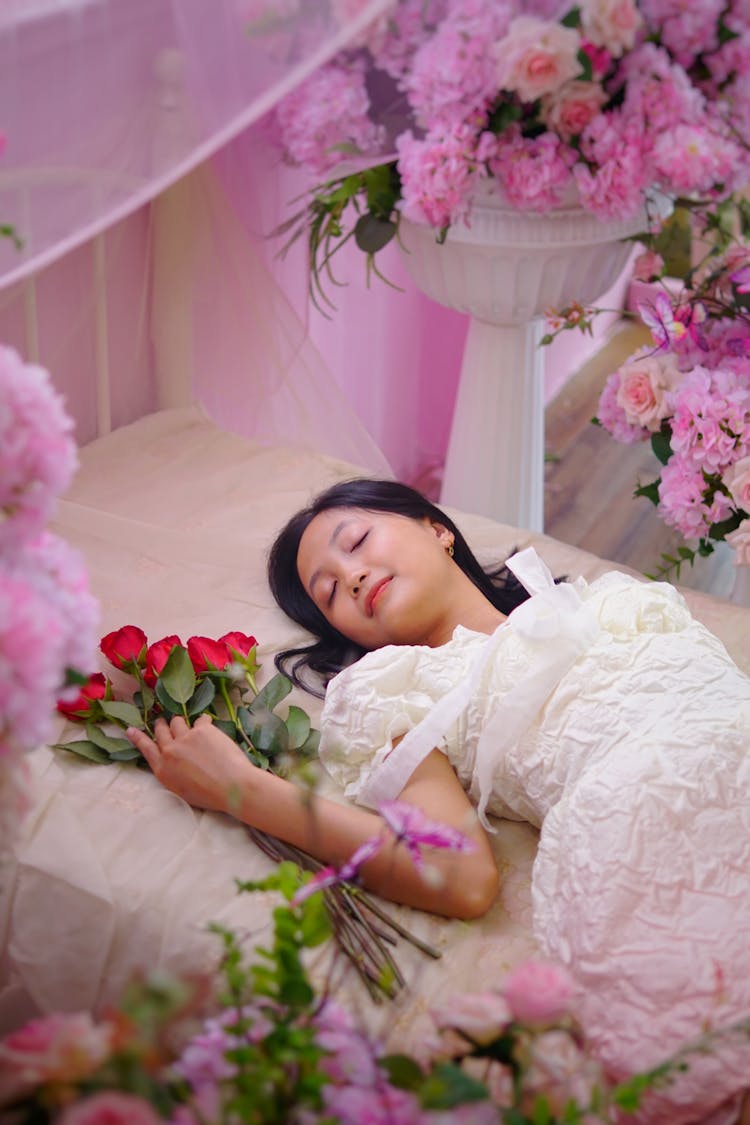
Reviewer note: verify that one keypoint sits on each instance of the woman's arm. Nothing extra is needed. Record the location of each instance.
(204, 767)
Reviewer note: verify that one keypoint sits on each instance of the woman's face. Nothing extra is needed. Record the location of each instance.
(377, 577)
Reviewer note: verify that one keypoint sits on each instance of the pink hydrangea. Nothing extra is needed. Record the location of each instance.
(687, 30)
(692, 159)
(611, 24)
(381, 1105)
(37, 452)
(710, 419)
(536, 57)
(452, 76)
(682, 501)
(396, 39)
(326, 117)
(533, 172)
(539, 991)
(611, 415)
(616, 189)
(439, 173)
(203, 1062)
(58, 573)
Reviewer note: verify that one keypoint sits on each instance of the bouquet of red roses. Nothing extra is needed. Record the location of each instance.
(205, 676)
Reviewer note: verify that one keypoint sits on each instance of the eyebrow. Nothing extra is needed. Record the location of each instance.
(331, 542)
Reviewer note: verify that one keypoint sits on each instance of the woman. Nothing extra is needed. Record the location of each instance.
(603, 713)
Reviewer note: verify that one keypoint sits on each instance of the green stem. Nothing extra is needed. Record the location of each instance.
(230, 706)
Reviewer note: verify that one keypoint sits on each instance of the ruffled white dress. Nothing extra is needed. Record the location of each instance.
(609, 717)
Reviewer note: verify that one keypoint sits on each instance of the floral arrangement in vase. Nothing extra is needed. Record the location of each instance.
(48, 616)
(689, 394)
(540, 103)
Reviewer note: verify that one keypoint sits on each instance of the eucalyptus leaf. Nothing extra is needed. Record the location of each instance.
(202, 697)
(84, 749)
(124, 713)
(298, 727)
(178, 675)
(105, 741)
(269, 697)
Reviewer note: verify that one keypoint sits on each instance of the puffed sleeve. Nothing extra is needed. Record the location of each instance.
(367, 707)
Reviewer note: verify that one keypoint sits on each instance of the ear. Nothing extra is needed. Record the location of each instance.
(443, 535)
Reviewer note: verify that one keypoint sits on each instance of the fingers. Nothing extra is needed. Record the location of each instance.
(145, 744)
(203, 720)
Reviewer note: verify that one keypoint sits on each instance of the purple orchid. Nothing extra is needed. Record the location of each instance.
(330, 876)
(413, 829)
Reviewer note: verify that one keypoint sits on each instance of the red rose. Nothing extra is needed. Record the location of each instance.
(238, 643)
(157, 656)
(125, 647)
(207, 655)
(80, 707)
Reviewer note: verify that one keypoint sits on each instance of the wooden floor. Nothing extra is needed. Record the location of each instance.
(590, 480)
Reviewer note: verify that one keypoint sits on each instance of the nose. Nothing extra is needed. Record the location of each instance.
(356, 581)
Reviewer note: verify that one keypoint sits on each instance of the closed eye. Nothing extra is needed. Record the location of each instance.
(329, 603)
(359, 542)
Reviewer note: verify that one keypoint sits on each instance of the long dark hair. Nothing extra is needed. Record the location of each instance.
(332, 651)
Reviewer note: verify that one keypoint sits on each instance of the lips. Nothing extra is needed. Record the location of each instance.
(374, 593)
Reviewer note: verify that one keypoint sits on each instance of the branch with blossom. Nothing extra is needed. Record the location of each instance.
(541, 103)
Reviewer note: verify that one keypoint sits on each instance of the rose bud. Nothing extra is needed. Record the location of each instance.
(125, 648)
(157, 656)
(81, 707)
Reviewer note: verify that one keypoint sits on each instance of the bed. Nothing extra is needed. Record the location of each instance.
(113, 874)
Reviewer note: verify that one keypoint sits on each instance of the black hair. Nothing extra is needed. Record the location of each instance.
(332, 651)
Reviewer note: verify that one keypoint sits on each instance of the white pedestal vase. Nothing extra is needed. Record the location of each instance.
(506, 269)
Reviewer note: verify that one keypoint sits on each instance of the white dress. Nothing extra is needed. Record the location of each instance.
(609, 717)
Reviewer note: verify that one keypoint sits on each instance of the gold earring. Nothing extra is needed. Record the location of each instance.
(450, 550)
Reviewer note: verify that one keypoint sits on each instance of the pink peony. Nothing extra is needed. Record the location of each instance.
(681, 498)
(611, 24)
(62, 1047)
(533, 172)
(481, 1016)
(537, 57)
(644, 392)
(110, 1107)
(740, 541)
(538, 991)
(439, 174)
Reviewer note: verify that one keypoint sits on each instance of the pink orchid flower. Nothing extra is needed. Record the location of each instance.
(741, 279)
(347, 873)
(413, 829)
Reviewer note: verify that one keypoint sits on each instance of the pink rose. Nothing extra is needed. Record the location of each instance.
(611, 24)
(643, 393)
(740, 541)
(110, 1107)
(569, 109)
(737, 480)
(647, 266)
(537, 57)
(62, 1047)
(560, 1071)
(480, 1015)
(538, 991)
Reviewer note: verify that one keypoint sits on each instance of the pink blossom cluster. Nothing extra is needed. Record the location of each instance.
(692, 390)
(439, 172)
(626, 96)
(48, 617)
(326, 117)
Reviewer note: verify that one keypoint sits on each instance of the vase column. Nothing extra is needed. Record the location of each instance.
(506, 269)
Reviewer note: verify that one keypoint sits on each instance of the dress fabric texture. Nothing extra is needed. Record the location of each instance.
(609, 717)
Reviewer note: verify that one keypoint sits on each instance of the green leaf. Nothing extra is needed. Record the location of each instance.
(541, 1113)
(171, 706)
(104, 741)
(131, 754)
(144, 699)
(202, 697)
(315, 927)
(228, 727)
(84, 749)
(660, 443)
(309, 747)
(546, 339)
(584, 59)
(447, 1086)
(650, 491)
(298, 727)
(402, 1071)
(126, 714)
(572, 18)
(269, 697)
(372, 234)
(178, 675)
(266, 731)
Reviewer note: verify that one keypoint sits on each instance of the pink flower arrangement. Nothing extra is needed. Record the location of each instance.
(603, 101)
(690, 395)
(48, 616)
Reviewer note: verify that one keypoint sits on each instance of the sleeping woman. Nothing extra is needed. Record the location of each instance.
(603, 713)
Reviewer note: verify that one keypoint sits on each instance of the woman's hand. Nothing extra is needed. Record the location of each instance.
(201, 764)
